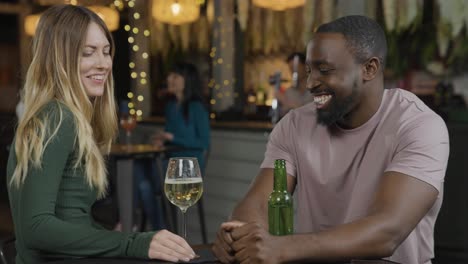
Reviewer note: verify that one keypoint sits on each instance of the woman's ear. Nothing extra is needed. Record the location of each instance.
(371, 68)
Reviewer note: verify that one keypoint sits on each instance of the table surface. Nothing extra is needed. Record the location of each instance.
(204, 251)
(124, 150)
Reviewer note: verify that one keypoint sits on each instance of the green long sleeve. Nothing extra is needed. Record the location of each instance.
(52, 208)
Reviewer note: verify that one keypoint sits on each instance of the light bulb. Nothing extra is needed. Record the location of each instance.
(175, 8)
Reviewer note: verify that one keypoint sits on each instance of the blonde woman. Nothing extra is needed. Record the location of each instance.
(56, 168)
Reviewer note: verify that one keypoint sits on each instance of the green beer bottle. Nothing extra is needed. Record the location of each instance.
(280, 203)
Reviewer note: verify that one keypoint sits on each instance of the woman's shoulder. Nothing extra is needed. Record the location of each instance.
(56, 108)
(58, 114)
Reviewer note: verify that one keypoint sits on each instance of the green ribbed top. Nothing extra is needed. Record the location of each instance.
(52, 209)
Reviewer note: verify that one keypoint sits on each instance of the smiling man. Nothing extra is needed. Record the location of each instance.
(367, 174)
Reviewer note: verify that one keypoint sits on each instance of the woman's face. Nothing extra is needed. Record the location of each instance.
(96, 61)
(175, 83)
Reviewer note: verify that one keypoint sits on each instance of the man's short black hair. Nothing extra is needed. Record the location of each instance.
(365, 37)
(302, 57)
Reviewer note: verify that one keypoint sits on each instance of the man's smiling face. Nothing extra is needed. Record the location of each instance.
(334, 77)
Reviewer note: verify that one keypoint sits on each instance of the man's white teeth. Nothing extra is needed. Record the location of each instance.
(97, 77)
(322, 99)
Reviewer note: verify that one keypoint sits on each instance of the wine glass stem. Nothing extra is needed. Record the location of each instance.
(184, 225)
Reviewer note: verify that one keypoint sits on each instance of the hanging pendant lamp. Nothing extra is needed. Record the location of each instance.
(176, 12)
(278, 5)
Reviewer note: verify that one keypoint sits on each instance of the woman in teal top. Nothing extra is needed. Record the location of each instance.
(187, 126)
(56, 168)
(187, 121)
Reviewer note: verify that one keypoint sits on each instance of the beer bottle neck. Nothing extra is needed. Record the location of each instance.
(279, 181)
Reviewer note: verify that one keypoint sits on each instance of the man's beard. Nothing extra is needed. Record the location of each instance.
(337, 110)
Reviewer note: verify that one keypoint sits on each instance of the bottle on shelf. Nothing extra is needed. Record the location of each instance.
(275, 104)
(280, 203)
(261, 92)
(251, 102)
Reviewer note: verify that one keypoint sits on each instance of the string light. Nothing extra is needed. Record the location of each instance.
(221, 89)
(211, 83)
(139, 77)
(119, 4)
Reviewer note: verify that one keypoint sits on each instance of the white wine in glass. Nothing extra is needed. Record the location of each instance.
(183, 185)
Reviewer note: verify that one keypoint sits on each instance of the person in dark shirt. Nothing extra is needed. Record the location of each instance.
(297, 95)
(56, 168)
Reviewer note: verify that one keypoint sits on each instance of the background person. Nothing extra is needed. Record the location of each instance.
(187, 120)
(296, 95)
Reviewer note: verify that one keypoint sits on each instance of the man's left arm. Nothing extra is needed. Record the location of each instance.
(400, 203)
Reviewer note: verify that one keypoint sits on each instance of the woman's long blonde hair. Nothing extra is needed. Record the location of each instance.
(54, 75)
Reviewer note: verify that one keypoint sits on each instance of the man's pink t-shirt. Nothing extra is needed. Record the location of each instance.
(338, 171)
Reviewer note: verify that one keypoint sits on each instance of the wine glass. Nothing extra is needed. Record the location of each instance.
(128, 123)
(183, 185)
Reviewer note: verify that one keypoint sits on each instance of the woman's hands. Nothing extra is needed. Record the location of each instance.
(170, 247)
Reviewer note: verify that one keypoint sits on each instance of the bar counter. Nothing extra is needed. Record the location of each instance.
(248, 125)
